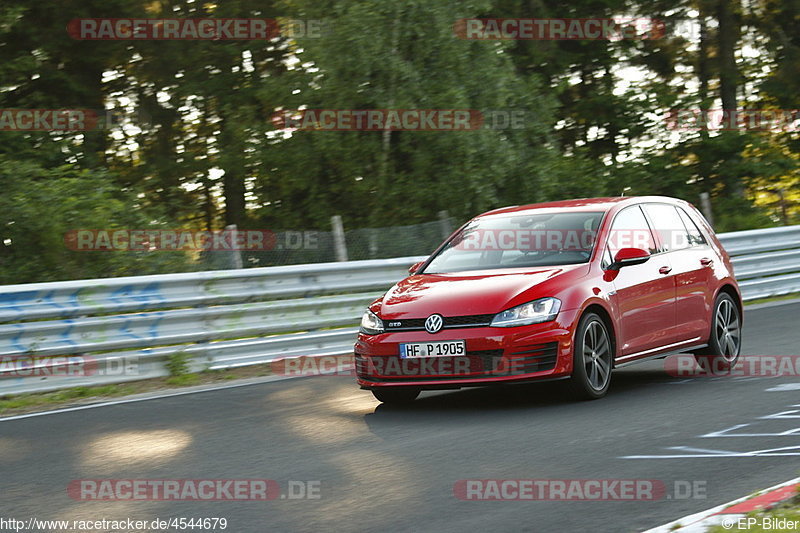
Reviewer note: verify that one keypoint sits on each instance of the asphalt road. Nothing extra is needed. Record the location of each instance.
(394, 469)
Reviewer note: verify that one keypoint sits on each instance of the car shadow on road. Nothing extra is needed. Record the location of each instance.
(437, 409)
(525, 396)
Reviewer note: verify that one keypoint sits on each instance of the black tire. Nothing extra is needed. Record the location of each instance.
(592, 358)
(396, 396)
(725, 338)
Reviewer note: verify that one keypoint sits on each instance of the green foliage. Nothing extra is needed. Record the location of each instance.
(40, 206)
(408, 59)
(203, 152)
(178, 364)
(183, 380)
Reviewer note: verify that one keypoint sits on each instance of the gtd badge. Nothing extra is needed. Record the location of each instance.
(434, 323)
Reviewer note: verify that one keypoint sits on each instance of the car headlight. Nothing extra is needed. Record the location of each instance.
(371, 324)
(533, 312)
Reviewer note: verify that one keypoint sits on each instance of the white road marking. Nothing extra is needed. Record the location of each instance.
(727, 432)
(785, 387)
(721, 433)
(732, 432)
(783, 414)
(769, 452)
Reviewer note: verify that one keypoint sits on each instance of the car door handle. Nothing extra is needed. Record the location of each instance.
(706, 262)
(665, 270)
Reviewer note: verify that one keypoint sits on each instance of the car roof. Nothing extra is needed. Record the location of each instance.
(581, 204)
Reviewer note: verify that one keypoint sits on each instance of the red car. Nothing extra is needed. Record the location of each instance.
(560, 290)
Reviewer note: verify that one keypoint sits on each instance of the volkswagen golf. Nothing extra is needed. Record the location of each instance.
(563, 290)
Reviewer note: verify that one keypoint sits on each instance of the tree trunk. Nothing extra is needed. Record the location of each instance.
(232, 162)
(703, 75)
(208, 207)
(727, 36)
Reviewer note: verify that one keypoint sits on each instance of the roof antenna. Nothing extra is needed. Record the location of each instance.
(623, 191)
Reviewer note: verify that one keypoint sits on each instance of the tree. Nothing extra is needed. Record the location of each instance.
(408, 58)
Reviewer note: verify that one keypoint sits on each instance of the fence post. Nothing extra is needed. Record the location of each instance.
(444, 224)
(373, 243)
(705, 205)
(339, 243)
(236, 254)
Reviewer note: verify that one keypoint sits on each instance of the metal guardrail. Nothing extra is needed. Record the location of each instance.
(92, 332)
(766, 261)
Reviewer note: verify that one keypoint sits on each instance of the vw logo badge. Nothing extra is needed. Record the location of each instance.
(434, 323)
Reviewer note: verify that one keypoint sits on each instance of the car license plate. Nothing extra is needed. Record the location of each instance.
(417, 350)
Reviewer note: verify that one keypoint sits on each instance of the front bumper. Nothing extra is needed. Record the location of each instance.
(494, 355)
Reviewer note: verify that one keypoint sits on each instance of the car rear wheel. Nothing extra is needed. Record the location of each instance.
(396, 396)
(592, 358)
(725, 341)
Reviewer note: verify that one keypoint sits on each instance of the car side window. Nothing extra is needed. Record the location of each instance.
(695, 235)
(631, 230)
(669, 226)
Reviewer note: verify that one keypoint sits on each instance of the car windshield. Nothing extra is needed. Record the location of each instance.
(518, 241)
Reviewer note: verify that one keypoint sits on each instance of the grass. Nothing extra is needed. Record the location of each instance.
(57, 397)
(792, 296)
(39, 401)
(184, 380)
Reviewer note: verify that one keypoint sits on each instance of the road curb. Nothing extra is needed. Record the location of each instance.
(729, 513)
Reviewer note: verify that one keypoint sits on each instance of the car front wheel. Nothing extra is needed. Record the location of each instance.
(592, 358)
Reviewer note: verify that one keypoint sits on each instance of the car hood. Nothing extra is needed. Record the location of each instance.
(465, 293)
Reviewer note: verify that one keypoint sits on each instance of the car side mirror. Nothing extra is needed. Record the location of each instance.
(413, 268)
(628, 257)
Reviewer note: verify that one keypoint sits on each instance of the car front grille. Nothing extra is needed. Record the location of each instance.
(450, 322)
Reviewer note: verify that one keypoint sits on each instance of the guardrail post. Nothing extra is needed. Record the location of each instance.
(444, 224)
(339, 243)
